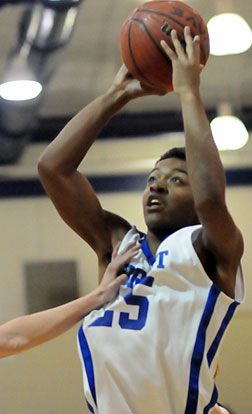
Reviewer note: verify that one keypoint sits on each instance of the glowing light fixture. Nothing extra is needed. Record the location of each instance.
(20, 90)
(229, 34)
(229, 132)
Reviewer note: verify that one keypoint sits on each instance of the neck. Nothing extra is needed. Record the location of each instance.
(154, 240)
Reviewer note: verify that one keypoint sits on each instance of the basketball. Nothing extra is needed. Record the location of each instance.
(142, 32)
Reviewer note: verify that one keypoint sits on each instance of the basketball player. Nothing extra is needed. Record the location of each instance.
(154, 349)
(29, 331)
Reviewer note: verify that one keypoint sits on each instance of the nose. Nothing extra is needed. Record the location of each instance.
(159, 186)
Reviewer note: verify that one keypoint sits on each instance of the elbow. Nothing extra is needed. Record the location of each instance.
(48, 169)
(52, 166)
(45, 167)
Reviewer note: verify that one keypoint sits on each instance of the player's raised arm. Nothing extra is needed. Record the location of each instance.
(28, 331)
(220, 236)
(69, 190)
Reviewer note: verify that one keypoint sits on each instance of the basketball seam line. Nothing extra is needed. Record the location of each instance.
(131, 53)
(160, 14)
(169, 17)
(152, 39)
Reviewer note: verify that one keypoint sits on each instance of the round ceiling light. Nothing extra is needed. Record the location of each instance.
(20, 90)
(229, 132)
(229, 34)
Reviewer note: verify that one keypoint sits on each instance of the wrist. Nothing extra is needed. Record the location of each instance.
(98, 296)
(116, 96)
(189, 95)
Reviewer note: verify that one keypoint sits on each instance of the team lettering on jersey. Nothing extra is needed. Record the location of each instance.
(137, 275)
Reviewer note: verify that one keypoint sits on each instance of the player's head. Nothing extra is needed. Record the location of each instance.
(167, 200)
(176, 152)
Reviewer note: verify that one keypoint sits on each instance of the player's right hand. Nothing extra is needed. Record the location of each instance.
(131, 87)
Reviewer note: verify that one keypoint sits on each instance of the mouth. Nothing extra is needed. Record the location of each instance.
(154, 203)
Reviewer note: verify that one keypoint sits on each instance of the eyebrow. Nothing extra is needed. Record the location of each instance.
(180, 170)
(154, 169)
(173, 170)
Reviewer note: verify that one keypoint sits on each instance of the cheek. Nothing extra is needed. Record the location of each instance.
(184, 192)
(183, 198)
(144, 198)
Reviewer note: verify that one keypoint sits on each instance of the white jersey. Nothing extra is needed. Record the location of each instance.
(154, 349)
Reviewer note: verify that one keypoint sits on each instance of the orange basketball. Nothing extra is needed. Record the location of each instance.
(142, 32)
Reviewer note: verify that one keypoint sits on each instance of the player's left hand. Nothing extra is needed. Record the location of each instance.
(185, 63)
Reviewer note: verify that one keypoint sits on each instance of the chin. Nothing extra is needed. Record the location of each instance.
(158, 226)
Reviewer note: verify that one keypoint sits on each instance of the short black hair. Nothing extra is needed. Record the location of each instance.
(176, 152)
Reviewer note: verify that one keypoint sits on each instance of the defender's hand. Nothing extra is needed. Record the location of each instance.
(111, 283)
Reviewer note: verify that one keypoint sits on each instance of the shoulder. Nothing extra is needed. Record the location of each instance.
(188, 234)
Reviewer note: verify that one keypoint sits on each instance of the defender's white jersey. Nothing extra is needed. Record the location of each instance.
(154, 349)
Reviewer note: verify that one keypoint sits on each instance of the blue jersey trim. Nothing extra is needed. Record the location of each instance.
(198, 351)
(147, 252)
(87, 358)
(213, 348)
(105, 320)
(90, 407)
(213, 400)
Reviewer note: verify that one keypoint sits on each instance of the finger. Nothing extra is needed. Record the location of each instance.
(115, 250)
(123, 71)
(115, 286)
(121, 279)
(128, 247)
(125, 257)
(118, 260)
(188, 40)
(196, 48)
(121, 260)
(171, 54)
(177, 44)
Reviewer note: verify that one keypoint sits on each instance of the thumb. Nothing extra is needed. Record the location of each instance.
(121, 279)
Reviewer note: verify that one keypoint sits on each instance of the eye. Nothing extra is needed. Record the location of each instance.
(151, 179)
(176, 179)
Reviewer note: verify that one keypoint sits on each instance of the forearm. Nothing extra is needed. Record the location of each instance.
(68, 149)
(203, 160)
(28, 331)
(205, 170)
